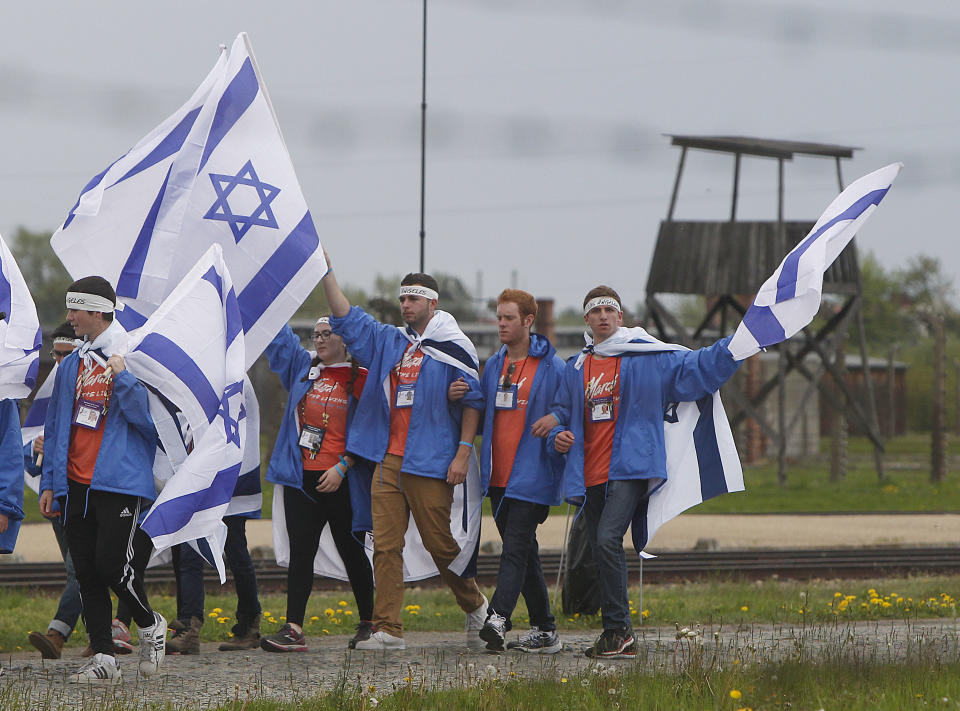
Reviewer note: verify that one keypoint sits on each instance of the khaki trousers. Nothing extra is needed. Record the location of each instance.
(395, 496)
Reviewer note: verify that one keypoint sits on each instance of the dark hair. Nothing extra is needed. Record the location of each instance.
(420, 279)
(526, 304)
(602, 291)
(64, 330)
(98, 286)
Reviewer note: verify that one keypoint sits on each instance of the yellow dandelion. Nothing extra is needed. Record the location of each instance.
(273, 619)
(645, 614)
(218, 610)
(328, 612)
(342, 603)
(735, 694)
(348, 612)
(284, 619)
(267, 613)
(563, 680)
(314, 618)
(744, 608)
(212, 614)
(222, 620)
(325, 631)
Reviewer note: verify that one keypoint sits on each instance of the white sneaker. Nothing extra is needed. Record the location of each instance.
(473, 625)
(381, 640)
(99, 669)
(153, 645)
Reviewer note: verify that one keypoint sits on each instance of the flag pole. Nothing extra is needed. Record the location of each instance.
(423, 137)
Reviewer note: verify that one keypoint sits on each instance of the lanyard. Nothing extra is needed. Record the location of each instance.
(324, 417)
(616, 379)
(405, 361)
(506, 384)
(82, 373)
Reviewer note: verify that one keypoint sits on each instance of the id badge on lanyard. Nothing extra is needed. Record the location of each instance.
(89, 414)
(601, 409)
(311, 437)
(405, 394)
(506, 399)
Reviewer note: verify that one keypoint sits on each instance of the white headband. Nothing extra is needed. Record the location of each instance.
(601, 301)
(65, 339)
(423, 291)
(80, 301)
(323, 319)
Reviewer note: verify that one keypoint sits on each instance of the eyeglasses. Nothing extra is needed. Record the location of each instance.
(507, 383)
(57, 355)
(322, 335)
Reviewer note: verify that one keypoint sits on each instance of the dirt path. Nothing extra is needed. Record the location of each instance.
(440, 659)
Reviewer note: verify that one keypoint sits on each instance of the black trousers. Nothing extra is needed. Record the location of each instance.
(109, 552)
(307, 512)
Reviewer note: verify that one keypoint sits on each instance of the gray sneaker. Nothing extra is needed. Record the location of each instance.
(153, 645)
(99, 669)
(493, 631)
(537, 641)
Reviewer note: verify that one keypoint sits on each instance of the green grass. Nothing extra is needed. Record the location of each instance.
(710, 602)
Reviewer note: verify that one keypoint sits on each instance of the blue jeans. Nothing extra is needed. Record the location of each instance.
(188, 566)
(520, 570)
(68, 612)
(609, 509)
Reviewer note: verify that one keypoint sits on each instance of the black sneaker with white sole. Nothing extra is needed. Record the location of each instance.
(613, 644)
(493, 632)
(288, 638)
(537, 641)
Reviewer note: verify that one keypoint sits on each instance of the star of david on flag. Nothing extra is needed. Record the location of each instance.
(195, 181)
(240, 224)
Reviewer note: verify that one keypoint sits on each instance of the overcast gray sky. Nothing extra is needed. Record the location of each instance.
(545, 146)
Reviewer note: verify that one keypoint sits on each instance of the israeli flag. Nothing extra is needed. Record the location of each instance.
(191, 350)
(20, 334)
(225, 178)
(790, 298)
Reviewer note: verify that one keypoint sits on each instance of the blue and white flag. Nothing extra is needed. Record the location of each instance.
(32, 426)
(790, 298)
(20, 335)
(702, 459)
(226, 178)
(191, 350)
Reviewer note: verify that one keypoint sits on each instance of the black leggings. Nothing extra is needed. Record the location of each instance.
(307, 512)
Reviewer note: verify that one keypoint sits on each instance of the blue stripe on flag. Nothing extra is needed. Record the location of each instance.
(130, 318)
(452, 350)
(787, 281)
(37, 414)
(174, 358)
(172, 515)
(170, 144)
(32, 373)
(128, 285)
(203, 547)
(764, 326)
(5, 296)
(93, 181)
(279, 269)
(248, 484)
(713, 482)
(234, 322)
(236, 98)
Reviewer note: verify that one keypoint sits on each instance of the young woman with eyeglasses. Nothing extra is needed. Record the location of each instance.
(313, 470)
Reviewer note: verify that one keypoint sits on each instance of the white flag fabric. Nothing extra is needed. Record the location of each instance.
(790, 298)
(223, 176)
(20, 335)
(32, 426)
(192, 352)
(702, 459)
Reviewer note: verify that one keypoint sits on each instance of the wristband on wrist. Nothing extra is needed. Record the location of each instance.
(346, 466)
(467, 444)
(329, 269)
(336, 468)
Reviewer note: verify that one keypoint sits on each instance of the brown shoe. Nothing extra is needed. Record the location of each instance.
(187, 639)
(49, 644)
(244, 637)
(88, 652)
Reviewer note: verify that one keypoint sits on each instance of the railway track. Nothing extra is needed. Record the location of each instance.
(796, 564)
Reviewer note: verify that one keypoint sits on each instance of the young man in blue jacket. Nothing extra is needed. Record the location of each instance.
(520, 474)
(611, 409)
(421, 441)
(99, 446)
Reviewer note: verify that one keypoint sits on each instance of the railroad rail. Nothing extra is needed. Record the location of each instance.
(794, 564)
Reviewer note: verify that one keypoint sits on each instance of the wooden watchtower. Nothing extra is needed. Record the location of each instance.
(727, 261)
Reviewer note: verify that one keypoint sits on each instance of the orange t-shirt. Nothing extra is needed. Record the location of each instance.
(325, 406)
(93, 385)
(601, 380)
(406, 372)
(508, 424)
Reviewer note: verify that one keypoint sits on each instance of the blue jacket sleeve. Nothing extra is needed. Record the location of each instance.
(49, 435)
(11, 462)
(362, 333)
(695, 374)
(130, 399)
(287, 358)
(562, 406)
(29, 463)
(473, 398)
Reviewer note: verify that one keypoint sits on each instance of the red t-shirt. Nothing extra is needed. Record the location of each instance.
(601, 381)
(92, 385)
(406, 372)
(325, 406)
(508, 424)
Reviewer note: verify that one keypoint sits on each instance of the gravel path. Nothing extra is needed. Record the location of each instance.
(440, 659)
